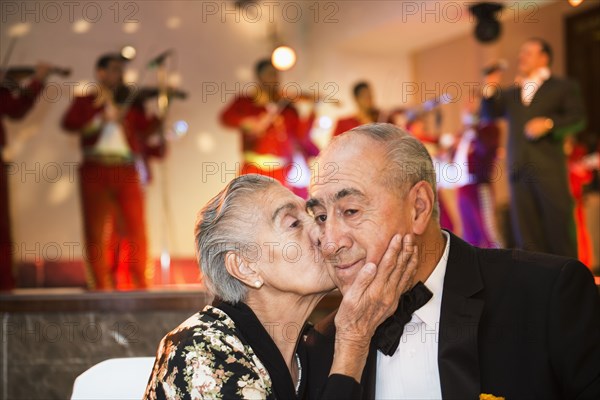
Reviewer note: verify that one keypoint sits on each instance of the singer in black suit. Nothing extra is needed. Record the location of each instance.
(509, 323)
(541, 110)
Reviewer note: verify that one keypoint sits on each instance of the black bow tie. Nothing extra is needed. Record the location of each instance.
(387, 336)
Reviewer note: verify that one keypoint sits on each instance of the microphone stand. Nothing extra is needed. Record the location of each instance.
(167, 232)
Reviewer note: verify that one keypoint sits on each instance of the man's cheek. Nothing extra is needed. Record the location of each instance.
(375, 254)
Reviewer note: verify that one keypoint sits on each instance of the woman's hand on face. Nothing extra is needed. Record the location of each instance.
(376, 291)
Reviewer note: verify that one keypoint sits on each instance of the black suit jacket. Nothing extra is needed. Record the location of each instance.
(515, 324)
(558, 99)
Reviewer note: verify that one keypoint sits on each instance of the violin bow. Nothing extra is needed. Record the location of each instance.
(11, 46)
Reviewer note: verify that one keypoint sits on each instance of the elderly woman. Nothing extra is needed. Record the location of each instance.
(259, 256)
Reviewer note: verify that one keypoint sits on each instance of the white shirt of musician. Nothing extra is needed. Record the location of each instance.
(532, 83)
(412, 372)
(112, 140)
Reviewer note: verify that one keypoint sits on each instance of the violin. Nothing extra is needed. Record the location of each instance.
(20, 73)
(132, 94)
(13, 75)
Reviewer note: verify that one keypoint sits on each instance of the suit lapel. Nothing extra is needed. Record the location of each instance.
(543, 87)
(458, 358)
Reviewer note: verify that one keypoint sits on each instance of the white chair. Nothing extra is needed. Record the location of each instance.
(117, 378)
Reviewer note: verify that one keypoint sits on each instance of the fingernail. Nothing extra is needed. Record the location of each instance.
(370, 268)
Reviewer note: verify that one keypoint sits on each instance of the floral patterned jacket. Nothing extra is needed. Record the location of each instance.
(204, 358)
(209, 357)
(224, 352)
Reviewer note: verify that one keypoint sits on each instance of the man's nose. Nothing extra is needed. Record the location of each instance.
(334, 237)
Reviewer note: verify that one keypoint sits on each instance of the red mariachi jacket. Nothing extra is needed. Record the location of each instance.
(16, 105)
(345, 124)
(279, 139)
(136, 125)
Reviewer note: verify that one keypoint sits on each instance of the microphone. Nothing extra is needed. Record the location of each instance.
(159, 59)
(499, 65)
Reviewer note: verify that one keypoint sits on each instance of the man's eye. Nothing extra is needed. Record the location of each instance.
(321, 218)
(350, 212)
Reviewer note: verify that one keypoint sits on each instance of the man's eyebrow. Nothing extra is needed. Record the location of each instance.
(287, 206)
(312, 203)
(348, 192)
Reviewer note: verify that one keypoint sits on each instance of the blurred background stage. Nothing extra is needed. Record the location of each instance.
(414, 55)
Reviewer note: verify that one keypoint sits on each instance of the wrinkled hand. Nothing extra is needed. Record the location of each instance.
(370, 300)
(537, 127)
(376, 291)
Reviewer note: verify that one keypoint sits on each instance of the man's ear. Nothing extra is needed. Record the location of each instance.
(242, 270)
(421, 199)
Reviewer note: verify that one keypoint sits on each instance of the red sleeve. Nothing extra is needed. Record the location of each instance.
(17, 106)
(239, 109)
(144, 126)
(344, 125)
(309, 149)
(152, 125)
(339, 129)
(80, 113)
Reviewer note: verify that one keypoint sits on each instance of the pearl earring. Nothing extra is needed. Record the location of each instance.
(257, 284)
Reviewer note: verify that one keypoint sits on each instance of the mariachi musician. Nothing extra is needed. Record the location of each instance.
(476, 157)
(270, 126)
(15, 102)
(115, 136)
(366, 112)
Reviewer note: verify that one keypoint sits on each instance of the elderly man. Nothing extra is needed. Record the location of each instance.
(502, 322)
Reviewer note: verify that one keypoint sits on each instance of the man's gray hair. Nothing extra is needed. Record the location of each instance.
(408, 158)
(224, 225)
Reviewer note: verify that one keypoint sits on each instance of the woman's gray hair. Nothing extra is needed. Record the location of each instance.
(225, 225)
(408, 158)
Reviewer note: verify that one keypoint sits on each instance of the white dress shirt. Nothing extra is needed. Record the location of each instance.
(532, 83)
(112, 139)
(412, 372)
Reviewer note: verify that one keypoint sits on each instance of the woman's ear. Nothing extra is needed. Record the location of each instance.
(241, 270)
(422, 200)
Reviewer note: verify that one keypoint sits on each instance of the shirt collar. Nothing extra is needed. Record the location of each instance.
(539, 75)
(430, 312)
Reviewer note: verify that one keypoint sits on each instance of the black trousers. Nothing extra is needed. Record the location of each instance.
(542, 211)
